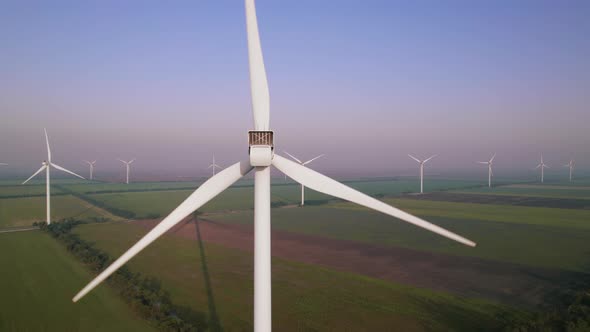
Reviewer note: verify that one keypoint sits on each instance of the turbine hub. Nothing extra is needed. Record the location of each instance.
(260, 147)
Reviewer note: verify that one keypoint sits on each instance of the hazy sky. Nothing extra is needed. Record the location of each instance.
(365, 82)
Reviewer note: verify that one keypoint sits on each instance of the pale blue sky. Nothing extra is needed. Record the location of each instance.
(167, 82)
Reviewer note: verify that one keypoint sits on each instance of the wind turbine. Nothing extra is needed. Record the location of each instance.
(421, 162)
(261, 157)
(571, 165)
(302, 164)
(91, 164)
(127, 163)
(214, 165)
(543, 166)
(490, 173)
(46, 165)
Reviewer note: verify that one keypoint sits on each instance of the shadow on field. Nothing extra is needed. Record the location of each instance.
(214, 323)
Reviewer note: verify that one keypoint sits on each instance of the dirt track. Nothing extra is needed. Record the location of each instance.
(508, 283)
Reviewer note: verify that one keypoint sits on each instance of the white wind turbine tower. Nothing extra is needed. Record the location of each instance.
(490, 173)
(421, 162)
(214, 165)
(127, 163)
(302, 163)
(91, 164)
(261, 157)
(46, 165)
(571, 166)
(543, 166)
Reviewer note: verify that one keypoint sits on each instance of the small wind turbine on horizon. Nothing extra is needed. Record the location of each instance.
(543, 166)
(127, 163)
(490, 172)
(91, 164)
(214, 165)
(46, 165)
(302, 163)
(571, 166)
(421, 162)
(261, 157)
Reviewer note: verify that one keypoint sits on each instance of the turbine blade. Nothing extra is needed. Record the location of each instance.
(430, 158)
(309, 161)
(326, 185)
(3, 164)
(47, 142)
(132, 160)
(416, 159)
(65, 170)
(37, 172)
(492, 159)
(208, 190)
(538, 166)
(482, 162)
(258, 82)
(292, 157)
(123, 161)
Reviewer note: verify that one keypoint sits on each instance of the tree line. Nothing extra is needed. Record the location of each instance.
(143, 294)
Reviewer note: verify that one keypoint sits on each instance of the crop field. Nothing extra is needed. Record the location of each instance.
(151, 204)
(305, 297)
(25, 190)
(18, 212)
(521, 234)
(338, 266)
(39, 279)
(556, 190)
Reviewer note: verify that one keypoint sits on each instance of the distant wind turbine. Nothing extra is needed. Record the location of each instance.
(46, 165)
(571, 165)
(127, 163)
(91, 164)
(302, 164)
(214, 165)
(421, 162)
(262, 156)
(543, 166)
(490, 173)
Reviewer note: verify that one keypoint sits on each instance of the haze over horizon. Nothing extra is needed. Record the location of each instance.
(363, 82)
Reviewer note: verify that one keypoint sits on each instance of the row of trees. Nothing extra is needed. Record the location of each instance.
(571, 313)
(143, 294)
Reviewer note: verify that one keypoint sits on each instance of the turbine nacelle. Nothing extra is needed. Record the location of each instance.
(261, 147)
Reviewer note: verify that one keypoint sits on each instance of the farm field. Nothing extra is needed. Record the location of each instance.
(305, 297)
(151, 204)
(521, 235)
(556, 190)
(39, 279)
(333, 259)
(20, 212)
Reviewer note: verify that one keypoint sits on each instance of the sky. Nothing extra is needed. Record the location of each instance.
(365, 82)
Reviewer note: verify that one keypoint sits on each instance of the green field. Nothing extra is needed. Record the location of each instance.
(26, 190)
(555, 190)
(305, 297)
(149, 204)
(39, 279)
(521, 235)
(18, 212)
(539, 241)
